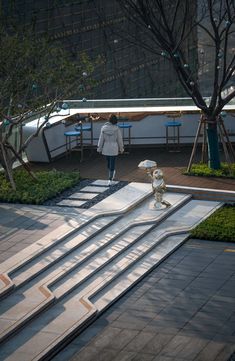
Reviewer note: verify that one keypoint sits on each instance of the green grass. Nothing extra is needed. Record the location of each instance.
(220, 226)
(28, 191)
(202, 169)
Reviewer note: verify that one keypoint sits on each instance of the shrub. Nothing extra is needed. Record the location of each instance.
(202, 169)
(49, 185)
(220, 226)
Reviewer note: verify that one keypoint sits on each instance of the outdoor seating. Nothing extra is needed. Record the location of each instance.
(86, 127)
(173, 137)
(71, 137)
(124, 125)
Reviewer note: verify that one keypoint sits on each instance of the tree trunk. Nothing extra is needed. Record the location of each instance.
(7, 166)
(213, 145)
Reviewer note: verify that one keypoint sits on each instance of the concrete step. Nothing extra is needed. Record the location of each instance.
(218, 195)
(116, 204)
(113, 291)
(83, 250)
(94, 274)
(60, 250)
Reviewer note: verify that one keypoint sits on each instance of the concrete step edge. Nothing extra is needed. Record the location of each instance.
(36, 311)
(219, 195)
(110, 242)
(48, 241)
(47, 353)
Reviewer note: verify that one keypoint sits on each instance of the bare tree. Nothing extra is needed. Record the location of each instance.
(167, 27)
(35, 74)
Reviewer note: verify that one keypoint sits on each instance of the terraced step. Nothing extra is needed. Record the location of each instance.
(71, 292)
(74, 258)
(218, 195)
(117, 204)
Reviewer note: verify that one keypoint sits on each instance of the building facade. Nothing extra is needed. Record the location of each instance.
(98, 27)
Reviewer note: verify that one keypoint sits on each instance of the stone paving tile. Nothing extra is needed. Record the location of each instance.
(139, 341)
(183, 277)
(157, 343)
(192, 325)
(164, 330)
(174, 313)
(201, 320)
(184, 347)
(135, 321)
(105, 338)
(95, 189)
(93, 354)
(174, 283)
(161, 322)
(148, 305)
(226, 338)
(227, 329)
(162, 293)
(211, 351)
(122, 339)
(204, 333)
(125, 356)
(197, 292)
(82, 196)
(219, 313)
(165, 358)
(71, 203)
(102, 182)
(66, 354)
(225, 353)
(142, 357)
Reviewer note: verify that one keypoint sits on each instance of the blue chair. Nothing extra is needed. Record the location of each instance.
(71, 137)
(175, 136)
(124, 126)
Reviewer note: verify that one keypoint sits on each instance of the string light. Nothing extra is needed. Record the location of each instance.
(227, 23)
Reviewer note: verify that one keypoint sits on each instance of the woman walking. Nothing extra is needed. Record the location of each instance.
(110, 144)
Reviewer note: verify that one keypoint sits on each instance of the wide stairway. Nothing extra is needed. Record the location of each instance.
(55, 288)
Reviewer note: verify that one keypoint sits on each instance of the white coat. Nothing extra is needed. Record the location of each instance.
(110, 140)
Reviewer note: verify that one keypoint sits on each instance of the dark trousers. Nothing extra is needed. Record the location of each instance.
(111, 159)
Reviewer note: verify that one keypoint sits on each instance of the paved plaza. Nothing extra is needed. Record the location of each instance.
(184, 310)
(175, 302)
